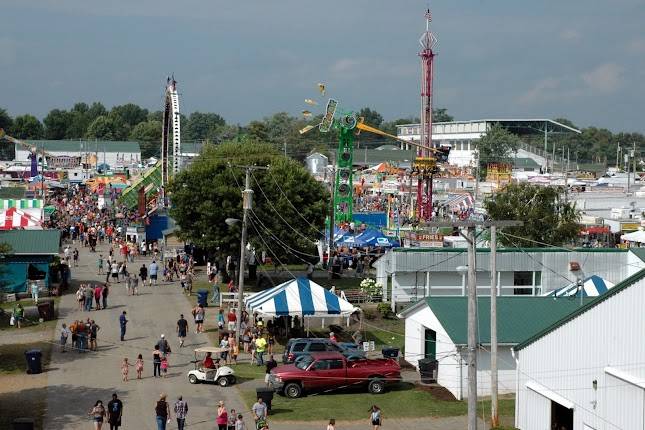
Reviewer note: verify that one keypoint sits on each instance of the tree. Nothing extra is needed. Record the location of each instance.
(200, 126)
(497, 145)
(130, 114)
(27, 127)
(105, 127)
(441, 115)
(5, 120)
(372, 117)
(148, 134)
(548, 218)
(57, 122)
(201, 206)
(258, 131)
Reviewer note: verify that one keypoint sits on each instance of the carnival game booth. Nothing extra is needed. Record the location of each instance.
(21, 214)
(299, 297)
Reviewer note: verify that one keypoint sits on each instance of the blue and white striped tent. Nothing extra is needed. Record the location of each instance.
(593, 286)
(298, 297)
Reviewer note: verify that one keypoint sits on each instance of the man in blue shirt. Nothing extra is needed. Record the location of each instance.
(152, 273)
(122, 322)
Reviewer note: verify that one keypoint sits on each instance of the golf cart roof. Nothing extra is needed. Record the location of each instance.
(211, 349)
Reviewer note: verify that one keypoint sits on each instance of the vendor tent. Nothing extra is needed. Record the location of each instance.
(300, 297)
(635, 236)
(593, 286)
(374, 237)
(15, 218)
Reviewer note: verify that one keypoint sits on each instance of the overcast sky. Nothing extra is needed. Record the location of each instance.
(579, 59)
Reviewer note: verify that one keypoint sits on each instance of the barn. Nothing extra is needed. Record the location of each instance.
(587, 370)
(436, 329)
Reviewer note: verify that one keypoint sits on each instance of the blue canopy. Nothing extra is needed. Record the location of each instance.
(593, 286)
(374, 237)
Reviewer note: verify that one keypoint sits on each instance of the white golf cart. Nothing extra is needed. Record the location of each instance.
(221, 375)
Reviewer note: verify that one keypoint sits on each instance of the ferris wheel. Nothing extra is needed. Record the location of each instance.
(170, 154)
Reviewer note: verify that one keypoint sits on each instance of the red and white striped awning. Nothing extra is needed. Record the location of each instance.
(13, 218)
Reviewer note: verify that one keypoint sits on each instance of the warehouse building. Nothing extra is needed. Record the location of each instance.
(69, 154)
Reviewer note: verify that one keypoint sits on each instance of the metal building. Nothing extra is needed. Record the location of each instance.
(587, 371)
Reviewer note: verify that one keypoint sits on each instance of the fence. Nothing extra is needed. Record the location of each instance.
(230, 299)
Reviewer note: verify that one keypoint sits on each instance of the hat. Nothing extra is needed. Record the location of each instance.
(163, 335)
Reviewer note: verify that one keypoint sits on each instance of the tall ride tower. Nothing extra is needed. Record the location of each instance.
(425, 168)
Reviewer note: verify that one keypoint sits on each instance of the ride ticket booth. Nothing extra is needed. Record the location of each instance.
(135, 234)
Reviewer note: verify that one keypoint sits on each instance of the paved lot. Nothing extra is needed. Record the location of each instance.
(76, 381)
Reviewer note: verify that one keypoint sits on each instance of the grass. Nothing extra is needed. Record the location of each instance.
(402, 401)
(27, 325)
(12, 357)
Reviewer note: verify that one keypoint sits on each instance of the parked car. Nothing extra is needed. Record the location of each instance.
(328, 370)
(305, 346)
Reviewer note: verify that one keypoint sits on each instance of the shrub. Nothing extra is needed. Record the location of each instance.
(385, 309)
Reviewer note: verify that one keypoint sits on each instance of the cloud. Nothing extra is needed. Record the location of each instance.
(636, 46)
(605, 78)
(570, 35)
(8, 52)
(543, 90)
(354, 68)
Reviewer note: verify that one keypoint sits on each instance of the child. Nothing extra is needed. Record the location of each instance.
(164, 365)
(231, 420)
(139, 366)
(125, 368)
(239, 423)
(332, 424)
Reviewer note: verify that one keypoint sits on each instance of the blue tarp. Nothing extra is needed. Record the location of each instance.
(373, 219)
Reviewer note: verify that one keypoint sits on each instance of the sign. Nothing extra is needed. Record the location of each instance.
(63, 161)
(629, 226)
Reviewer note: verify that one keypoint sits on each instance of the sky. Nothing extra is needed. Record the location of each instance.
(578, 59)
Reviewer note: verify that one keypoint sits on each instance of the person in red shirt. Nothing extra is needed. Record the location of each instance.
(208, 362)
(232, 320)
(332, 337)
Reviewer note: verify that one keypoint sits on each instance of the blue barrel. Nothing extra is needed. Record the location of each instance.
(202, 297)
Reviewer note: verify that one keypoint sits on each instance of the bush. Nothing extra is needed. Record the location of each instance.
(385, 309)
(369, 314)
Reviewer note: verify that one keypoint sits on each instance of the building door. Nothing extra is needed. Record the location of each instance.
(561, 416)
(430, 349)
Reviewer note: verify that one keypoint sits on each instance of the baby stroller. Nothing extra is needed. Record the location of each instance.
(261, 424)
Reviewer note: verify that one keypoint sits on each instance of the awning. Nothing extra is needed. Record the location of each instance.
(300, 297)
(593, 286)
(551, 395)
(459, 202)
(15, 218)
(635, 236)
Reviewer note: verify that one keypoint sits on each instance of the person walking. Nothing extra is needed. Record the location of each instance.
(271, 364)
(153, 269)
(98, 290)
(114, 270)
(64, 335)
(232, 416)
(239, 423)
(98, 414)
(93, 329)
(104, 294)
(232, 320)
(80, 297)
(143, 273)
(222, 416)
(138, 366)
(162, 411)
(123, 322)
(99, 264)
(164, 366)
(260, 347)
(115, 412)
(376, 417)
(125, 369)
(259, 410)
(181, 411)
(156, 361)
(332, 424)
(164, 346)
(89, 296)
(182, 329)
(199, 313)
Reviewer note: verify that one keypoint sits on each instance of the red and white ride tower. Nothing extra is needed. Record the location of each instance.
(425, 175)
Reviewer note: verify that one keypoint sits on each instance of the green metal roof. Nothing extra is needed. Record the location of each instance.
(32, 242)
(518, 317)
(85, 145)
(525, 163)
(639, 252)
(582, 309)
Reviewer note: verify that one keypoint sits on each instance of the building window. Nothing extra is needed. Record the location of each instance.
(523, 279)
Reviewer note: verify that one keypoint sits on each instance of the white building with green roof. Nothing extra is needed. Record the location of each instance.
(115, 154)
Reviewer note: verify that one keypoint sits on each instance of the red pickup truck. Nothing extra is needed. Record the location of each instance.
(329, 370)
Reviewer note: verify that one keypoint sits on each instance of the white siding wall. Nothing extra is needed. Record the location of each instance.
(450, 360)
(538, 410)
(110, 157)
(569, 359)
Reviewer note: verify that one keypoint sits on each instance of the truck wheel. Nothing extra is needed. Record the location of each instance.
(376, 386)
(293, 390)
(192, 379)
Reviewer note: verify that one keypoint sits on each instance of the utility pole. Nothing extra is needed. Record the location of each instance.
(494, 412)
(634, 161)
(247, 204)
(332, 222)
(470, 227)
(627, 165)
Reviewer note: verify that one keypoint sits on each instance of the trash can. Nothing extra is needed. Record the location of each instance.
(266, 394)
(34, 361)
(429, 370)
(390, 352)
(23, 424)
(46, 310)
(202, 297)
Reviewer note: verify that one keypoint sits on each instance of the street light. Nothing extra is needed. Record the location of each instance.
(463, 271)
(232, 221)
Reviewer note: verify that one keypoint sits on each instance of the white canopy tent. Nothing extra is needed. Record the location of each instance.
(635, 236)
